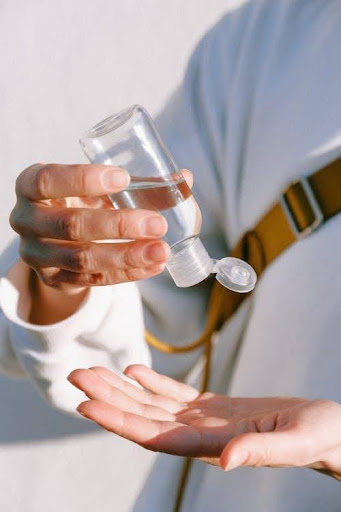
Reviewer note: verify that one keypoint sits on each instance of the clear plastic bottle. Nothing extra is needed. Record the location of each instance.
(129, 140)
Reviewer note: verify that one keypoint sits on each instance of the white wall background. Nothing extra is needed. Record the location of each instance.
(68, 64)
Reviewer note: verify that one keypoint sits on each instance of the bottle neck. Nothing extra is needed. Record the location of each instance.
(189, 263)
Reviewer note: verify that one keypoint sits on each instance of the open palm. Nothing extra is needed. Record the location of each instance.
(168, 416)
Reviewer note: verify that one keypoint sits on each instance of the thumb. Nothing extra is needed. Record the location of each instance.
(260, 449)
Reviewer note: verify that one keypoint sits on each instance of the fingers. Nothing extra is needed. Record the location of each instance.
(82, 224)
(163, 436)
(52, 181)
(41, 217)
(123, 385)
(64, 280)
(161, 384)
(264, 449)
(172, 406)
(97, 388)
(205, 440)
(122, 259)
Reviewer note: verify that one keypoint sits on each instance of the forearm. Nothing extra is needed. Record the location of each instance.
(51, 305)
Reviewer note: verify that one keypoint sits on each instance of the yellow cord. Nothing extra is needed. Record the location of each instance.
(215, 310)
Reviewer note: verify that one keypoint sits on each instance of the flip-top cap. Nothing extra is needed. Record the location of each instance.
(190, 264)
(235, 274)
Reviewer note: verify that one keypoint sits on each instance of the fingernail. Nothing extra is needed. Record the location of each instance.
(79, 410)
(153, 226)
(115, 178)
(126, 372)
(129, 376)
(156, 252)
(236, 460)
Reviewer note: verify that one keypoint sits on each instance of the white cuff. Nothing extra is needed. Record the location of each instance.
(15, 302)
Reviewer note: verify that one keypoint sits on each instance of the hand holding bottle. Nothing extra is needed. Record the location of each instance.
(129, 139)
(62, 211)
(57, 241)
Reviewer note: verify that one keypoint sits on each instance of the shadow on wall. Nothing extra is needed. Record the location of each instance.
(26, 417)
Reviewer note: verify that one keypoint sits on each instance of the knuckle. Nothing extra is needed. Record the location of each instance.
(97, 279)
(132, 274)
(18, 184)
(43, 181)
(20, 180)
(82, 177)
(121, 225)
(70, 225)
(82, 259)
(21, 217)
(130, 259)
(14, 219)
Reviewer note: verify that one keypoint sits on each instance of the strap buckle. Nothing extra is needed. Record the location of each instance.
(312, 202)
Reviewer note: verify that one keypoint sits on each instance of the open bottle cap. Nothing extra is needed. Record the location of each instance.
(235, 274)
(190, 264)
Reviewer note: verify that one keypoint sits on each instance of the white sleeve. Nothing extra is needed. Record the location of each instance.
(106, 330)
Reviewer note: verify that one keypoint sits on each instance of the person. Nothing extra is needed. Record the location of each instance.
(258, 107)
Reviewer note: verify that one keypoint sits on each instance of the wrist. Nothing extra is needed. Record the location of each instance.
(49, 305)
